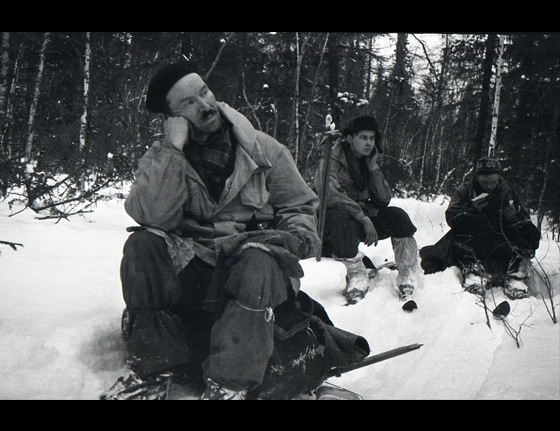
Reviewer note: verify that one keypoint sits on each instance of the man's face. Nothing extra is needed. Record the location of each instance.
(191, 99)
(488, 182)
(363, 143)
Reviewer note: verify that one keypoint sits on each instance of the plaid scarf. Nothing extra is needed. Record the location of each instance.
(213, 160)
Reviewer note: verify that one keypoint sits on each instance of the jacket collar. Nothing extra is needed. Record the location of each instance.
(338, 153)
(250, 156)
(245, 134)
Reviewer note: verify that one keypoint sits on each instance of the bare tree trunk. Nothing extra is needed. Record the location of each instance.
(4, 71)
(218, 56)
(368, 76)
(439, 156)
(332, 53)
(310, 105)
(9, 119)
(83, 120)
(423, 154)
(484, 97)
(249, 104)
(3, 90)
(397, 83)
(430, 137)
(35, 101)
(496, 106)
(299, 59)
(550, 144)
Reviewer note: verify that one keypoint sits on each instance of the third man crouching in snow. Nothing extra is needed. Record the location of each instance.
(492, 238)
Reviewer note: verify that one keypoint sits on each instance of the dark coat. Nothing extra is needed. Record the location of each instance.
(461, 205)
(503, 223)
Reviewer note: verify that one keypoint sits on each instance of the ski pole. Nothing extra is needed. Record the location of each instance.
(327, 151)
(338, 371)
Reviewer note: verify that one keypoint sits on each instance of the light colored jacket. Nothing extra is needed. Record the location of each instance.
(343, 194)
(168, 195)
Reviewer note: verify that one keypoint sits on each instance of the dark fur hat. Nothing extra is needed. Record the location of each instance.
(364, 123)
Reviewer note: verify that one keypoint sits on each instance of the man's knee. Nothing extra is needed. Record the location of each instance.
(400, 222)
(144, 240)
(145, 249)
(397, 213)
(341, 237)
(148, 278)
(257, 281)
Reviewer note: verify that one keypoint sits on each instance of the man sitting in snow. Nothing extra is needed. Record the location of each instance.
(491, 239)
(210, 277)
(358, 211)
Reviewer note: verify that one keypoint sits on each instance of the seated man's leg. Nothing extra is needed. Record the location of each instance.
(473, 245)
(524, 239)
(195, 280)
(154, 336)
(493, 247)
(395, 223)
(473, 239)
(342, 238)
(242, 338)
(480, 251)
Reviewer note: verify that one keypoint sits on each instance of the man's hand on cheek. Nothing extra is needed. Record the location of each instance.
(176, 131)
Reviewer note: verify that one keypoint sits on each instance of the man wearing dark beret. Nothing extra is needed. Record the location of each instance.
(211, 275)
(492, 238)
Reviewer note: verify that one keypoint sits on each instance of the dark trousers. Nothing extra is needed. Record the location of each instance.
(499, 248)
(165, 325)
(343, 235)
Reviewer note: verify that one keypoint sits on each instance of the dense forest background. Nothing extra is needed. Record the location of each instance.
(72, 119)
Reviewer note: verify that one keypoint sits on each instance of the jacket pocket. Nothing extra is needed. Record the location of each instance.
(345, 180)
(254, 192)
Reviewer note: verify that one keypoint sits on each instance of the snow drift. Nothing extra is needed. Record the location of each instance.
(61, 303)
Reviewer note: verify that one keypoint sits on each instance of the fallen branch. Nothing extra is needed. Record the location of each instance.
(13, 245)
(513, 333)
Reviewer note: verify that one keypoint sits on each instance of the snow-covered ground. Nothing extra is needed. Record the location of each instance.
(61, 303)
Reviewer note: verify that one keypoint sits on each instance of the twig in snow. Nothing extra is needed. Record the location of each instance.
(13, 245)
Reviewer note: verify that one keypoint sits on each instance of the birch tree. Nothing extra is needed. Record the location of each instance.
(496, 106)
(4, 71)
(479, 143)
(4, 94)
(35, 101)
(83, 119)
(300, 52)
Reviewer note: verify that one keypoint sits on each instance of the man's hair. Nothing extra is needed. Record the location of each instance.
(162, 82)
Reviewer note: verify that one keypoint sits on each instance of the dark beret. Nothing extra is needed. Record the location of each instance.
(162, 82)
